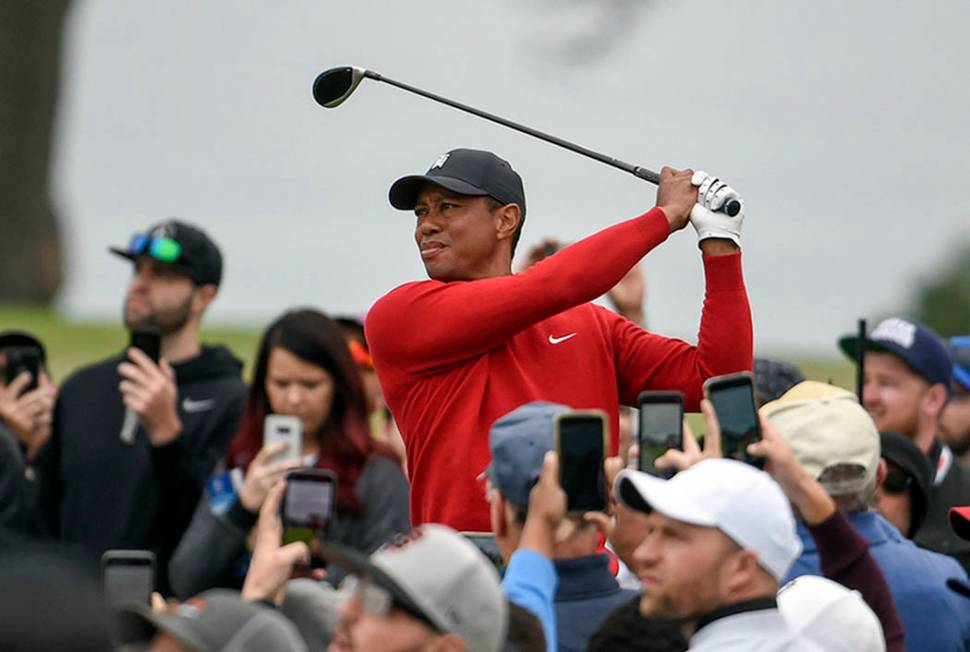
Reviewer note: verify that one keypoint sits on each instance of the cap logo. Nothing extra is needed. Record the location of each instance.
(404, 540)
(896, 330)
(441, 161)
(163, 231)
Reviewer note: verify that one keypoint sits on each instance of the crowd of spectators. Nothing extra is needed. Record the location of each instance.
(435, 416)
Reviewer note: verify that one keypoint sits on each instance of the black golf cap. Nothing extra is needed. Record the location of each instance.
(199, 259)
(467, 172)
(901, 451)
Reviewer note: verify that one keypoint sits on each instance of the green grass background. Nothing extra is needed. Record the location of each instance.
(73, 343)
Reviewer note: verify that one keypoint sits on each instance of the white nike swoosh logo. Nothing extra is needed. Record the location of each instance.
(198, 406)
(557, 340)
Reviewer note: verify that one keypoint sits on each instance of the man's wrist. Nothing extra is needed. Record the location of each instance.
(718, 247)
(166, 433)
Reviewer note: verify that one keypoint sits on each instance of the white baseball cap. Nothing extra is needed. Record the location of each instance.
(830, 615)
(436, 572)
(736, 498)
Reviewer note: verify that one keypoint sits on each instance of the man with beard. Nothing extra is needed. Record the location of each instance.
(133, 441)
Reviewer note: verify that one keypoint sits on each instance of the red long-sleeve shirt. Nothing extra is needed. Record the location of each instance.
(454, 357)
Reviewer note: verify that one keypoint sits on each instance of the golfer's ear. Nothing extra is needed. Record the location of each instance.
(507, 220)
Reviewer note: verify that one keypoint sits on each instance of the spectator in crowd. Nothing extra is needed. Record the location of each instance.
(214, 621)
(303, 368)
(25, 425)
(382, 425)
(907, 379)
(104, 486)
(955, 420)
(430, 590)
(904, 483)
(587, 590)
(834, 439)
(772, 378)
(457, 351)
(843, 553)
(627, 630)
(720, 537)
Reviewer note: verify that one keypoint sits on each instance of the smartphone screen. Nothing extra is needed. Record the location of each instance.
(661, 428)
(148, 341)
(581, 444)
(307, 504)
(128, 576)
(733, 399)
(287, 429)
(19, 360)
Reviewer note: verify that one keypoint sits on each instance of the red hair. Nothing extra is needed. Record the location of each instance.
(344, 442)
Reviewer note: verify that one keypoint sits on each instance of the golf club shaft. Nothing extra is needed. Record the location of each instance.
(636, 170)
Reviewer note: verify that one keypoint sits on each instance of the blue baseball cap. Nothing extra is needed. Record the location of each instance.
(915, 344)
(960, 352)
(518, 442)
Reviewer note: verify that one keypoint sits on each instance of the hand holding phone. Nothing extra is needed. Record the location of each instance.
(128, 577)
(308, 504)
(19, 360)
(661, 428)
(285, 429)
(732, 397)
(580, 438)
(148, 341)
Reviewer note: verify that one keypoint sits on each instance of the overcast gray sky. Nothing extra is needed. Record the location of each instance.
(843, 124)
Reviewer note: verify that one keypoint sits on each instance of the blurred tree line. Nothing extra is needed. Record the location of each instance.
(943, 300)
(31, 261)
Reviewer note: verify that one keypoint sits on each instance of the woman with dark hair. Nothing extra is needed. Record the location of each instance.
(305, 369)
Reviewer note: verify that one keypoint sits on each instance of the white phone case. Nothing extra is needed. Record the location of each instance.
(287, 429)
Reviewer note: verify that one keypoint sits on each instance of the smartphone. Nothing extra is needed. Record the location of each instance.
(148, 341)
(308, 504)
(579, 438)
(734, 403)
(661, 428)
(287, 429)
(128, 577)
(20, 359)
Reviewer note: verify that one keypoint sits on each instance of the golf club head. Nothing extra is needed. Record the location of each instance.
(333, 86)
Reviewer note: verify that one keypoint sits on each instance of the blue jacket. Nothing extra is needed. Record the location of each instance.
(587, 594)
(935, 618)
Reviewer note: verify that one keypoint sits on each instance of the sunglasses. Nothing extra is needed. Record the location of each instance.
(162, 249)
(896, 482)
(375, 599)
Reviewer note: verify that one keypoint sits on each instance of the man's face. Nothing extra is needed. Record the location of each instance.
(892, 393)
(159, 296)
(679, 566)
(456, 235)
(361, 630)
(955, 421)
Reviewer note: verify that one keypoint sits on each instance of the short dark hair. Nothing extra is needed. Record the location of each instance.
(524, 631)
(627, 629)
(493, 205)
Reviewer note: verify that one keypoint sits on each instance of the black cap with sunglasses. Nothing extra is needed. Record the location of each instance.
(183, 246)
(912, 472)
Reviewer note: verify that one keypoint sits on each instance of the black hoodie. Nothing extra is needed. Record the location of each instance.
(98, 493)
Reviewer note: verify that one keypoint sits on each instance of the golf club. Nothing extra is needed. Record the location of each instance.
(332, 87)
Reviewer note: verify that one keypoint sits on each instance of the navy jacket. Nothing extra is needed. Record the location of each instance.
(586, 595)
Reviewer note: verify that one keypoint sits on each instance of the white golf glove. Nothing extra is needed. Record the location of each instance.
(707, 220)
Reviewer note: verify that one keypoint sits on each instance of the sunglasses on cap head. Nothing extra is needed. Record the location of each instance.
(162, 249)
(376, 599)
(896, 481)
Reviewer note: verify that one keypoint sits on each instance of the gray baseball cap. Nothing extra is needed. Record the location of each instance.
(518, 442)
(215, 621)
(440, 575)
